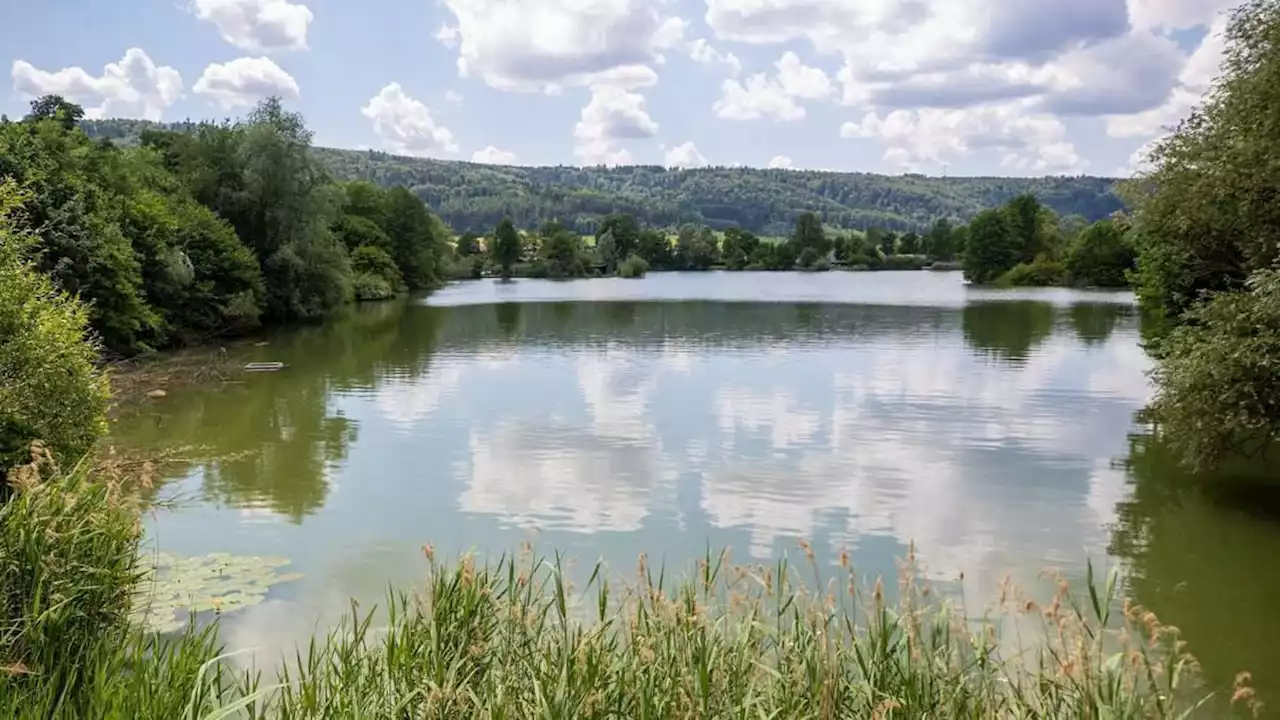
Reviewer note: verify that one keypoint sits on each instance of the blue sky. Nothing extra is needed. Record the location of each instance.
(1007, 87)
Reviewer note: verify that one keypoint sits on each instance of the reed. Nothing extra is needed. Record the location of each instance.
(514, 638)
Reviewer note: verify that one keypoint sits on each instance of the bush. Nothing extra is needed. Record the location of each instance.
(633, 267)
(1041, 273)
(50, 386)
(1100, 256)
(904, 262)
(376, 262)
(369, 287)
(1217, 386)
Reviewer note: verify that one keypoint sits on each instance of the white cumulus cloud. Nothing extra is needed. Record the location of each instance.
(780, 162)
(258, 25)
(761, 96)
(611, 116)
(701, 51)
(493, 156)
(245, 81)
(931, 137)
(549, 44)
(405, 125)
(134, 87)
(683, 156)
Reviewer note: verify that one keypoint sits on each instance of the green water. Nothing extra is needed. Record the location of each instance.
(604, 418)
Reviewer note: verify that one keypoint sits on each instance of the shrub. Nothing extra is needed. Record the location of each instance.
(1100, 256)
(633, 267)
(368, 286)
(1040, 273)
(904, 262)
(375, 261)
(50, 387)
(1217, 386)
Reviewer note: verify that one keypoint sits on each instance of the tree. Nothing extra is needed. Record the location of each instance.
(625, 231)
(1023, 215)
(607, 249)
(75, 214)
(1205, 222)
(1205, 216)
(695, 248)
(468, 245)
(910, 244)
(417, 240)
(1218, 392)
(654, 247)
(562, 252)
(50, 386)
(992, 248)
(376, 276)
(507, 246)
(1100, 256)
(941, 241)
(55, 108)
(809, 233)
(738, 247)
(888, 243)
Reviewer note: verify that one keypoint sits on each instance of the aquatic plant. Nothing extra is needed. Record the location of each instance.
(180, 587)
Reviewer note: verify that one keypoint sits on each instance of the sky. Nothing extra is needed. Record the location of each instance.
(958, 87)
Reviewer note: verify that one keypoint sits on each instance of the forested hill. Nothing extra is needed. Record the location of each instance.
(473, 197)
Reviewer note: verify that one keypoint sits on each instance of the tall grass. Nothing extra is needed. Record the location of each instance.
(516, 639)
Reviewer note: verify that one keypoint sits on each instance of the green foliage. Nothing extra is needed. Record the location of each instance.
(1040, 273)
(1206, 216)
(507, 247)
(607, 251)
(992, 248)
(468, 244)
(376, 274)
(633, 267)
(475, 198)
(50, 387)
(909, 244)
(1025, 223)
(197, 273)
(737, 248)
(898, 262)
(68, 554)
(654, 247)
(625, 231)
(74, 212)
(204, 229)
(696, 248)
(1218, 388)
(1100, 255)
(941, 241)
(562, 253)
(418, 240)
(311, 276)
(809, 234)
(355, 231)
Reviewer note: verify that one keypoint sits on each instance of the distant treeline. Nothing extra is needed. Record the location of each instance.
(475, 198)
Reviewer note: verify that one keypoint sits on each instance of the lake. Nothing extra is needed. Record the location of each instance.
(605, 418)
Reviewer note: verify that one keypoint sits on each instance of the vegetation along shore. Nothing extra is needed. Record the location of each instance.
(117, 240)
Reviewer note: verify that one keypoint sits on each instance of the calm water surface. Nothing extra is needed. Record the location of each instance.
(861, 411)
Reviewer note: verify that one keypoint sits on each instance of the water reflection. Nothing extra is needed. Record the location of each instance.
(983, 428)
(1202, 557)
(1007, 331)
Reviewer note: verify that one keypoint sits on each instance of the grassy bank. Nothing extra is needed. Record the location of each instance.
(515, 639)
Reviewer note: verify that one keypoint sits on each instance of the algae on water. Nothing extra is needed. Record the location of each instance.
(180, 587)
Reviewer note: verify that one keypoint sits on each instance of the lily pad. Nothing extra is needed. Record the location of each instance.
(180, 587)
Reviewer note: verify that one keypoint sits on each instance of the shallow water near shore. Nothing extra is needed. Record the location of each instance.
(687, 411)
